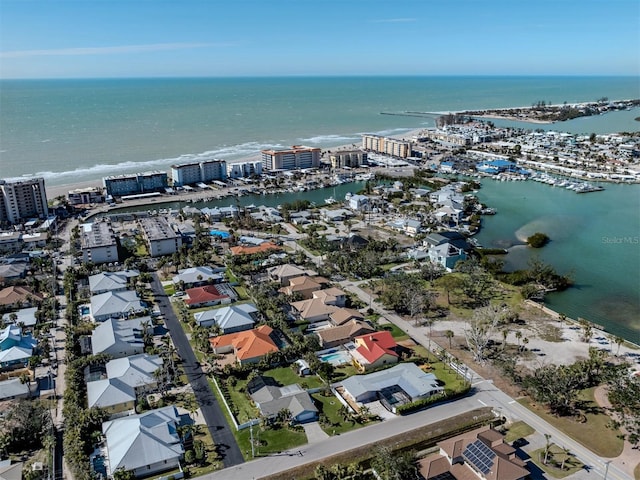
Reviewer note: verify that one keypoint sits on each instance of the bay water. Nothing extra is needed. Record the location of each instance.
(79, 130)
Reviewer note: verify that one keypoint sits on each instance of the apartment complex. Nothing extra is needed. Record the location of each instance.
(161, 238)
(195, 172)
(135, 183)
(296, 157)
(348, 158)
(244, 169)
(85, 196)
(388, 146)
(21, 200)
(98, 243)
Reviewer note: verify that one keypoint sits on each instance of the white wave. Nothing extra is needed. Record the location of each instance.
(320, 139)
(46, 140)
(226, 152)
(394, 131)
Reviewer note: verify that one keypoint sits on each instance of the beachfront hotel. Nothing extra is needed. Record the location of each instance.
(135, 183)
(348, 158)
(196, 172)
(21, 200)
(387, 146)
(296, 157)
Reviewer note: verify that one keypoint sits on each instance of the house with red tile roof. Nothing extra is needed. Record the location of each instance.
(15, 295)
(206, 296)
(251, 249)
(374, 350)
(248, 346)
(481, 453)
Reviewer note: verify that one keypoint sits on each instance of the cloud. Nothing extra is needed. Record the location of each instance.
(396, 20)
(116, 50)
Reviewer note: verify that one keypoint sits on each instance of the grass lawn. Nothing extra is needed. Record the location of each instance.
(212, 462)
(343, 372)
(169, 289)
(636, 472)
(396, 332)
(593, 434)
(286, 376)
(240, 400)
(518, 430)
(268, 441)
(242, 293)
(330, 406)
(554, 461)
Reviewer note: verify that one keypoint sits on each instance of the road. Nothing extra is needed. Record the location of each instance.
(486, 394)
(211, 410)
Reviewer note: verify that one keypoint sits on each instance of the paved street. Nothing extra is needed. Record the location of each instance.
(211, 409)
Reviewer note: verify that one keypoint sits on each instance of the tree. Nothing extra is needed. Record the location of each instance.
(449, 334)
(479, 330)
(624, 395)
(566, 454)
(394, 466)
(618, 341)
(537, 240)
(25, 425)
(547, 447)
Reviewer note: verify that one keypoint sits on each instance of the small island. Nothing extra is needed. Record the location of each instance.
(537, 240)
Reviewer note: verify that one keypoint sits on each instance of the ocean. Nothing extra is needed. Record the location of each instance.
(79, 130)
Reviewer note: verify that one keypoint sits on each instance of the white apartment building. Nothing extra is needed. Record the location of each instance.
(21, 200)
(98, 243)
(161, 238)
(195, 172)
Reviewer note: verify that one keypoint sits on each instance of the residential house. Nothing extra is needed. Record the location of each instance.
(13, 272)
(335, 215)
(357, 202)
(144, 444)
(16, 296)
(206, 296)
(283, 273)
(13, 389)
(248, 346)
(111, 281)
(25, 317)
(339, 335)
(272, 399)
(400, 384)
(137, 371)
(10, 471)
(447, 248)
(120, 338)
(481, 453)
(15, 347)
(112, 395)
(198, 276)
(344, 315)
(374, 350)
(253, 249)
(231, 319)
(322, 304)
(118, 304)
(304, 286)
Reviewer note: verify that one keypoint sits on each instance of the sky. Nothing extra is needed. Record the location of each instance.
(211, 38)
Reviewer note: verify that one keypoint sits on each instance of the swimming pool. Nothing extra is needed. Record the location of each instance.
(336, 357)
(85, 310)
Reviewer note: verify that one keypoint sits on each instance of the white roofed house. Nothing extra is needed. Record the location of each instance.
(120, 338)
(198, 276)
(145, 444)
(111, 281)
(127, 378)
(234, 318)
(116, 305)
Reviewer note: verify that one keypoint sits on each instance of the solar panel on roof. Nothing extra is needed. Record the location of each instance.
(480, 456)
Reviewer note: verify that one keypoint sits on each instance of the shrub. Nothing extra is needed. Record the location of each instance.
(537, 240)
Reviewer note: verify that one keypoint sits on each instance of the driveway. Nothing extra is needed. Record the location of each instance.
(211, 410)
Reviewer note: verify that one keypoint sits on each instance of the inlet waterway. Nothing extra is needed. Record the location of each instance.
(595, 238)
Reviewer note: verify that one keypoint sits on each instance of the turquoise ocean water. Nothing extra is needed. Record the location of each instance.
(77, 130)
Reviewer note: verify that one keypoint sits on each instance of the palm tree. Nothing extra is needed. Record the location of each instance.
(449, 334)
(567, 454)
(619, 341)
(547, 438)
(505, 334)
(525, 341)
(518, 337)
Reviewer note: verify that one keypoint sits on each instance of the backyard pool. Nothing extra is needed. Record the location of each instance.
(85, 310)
(335, 357)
